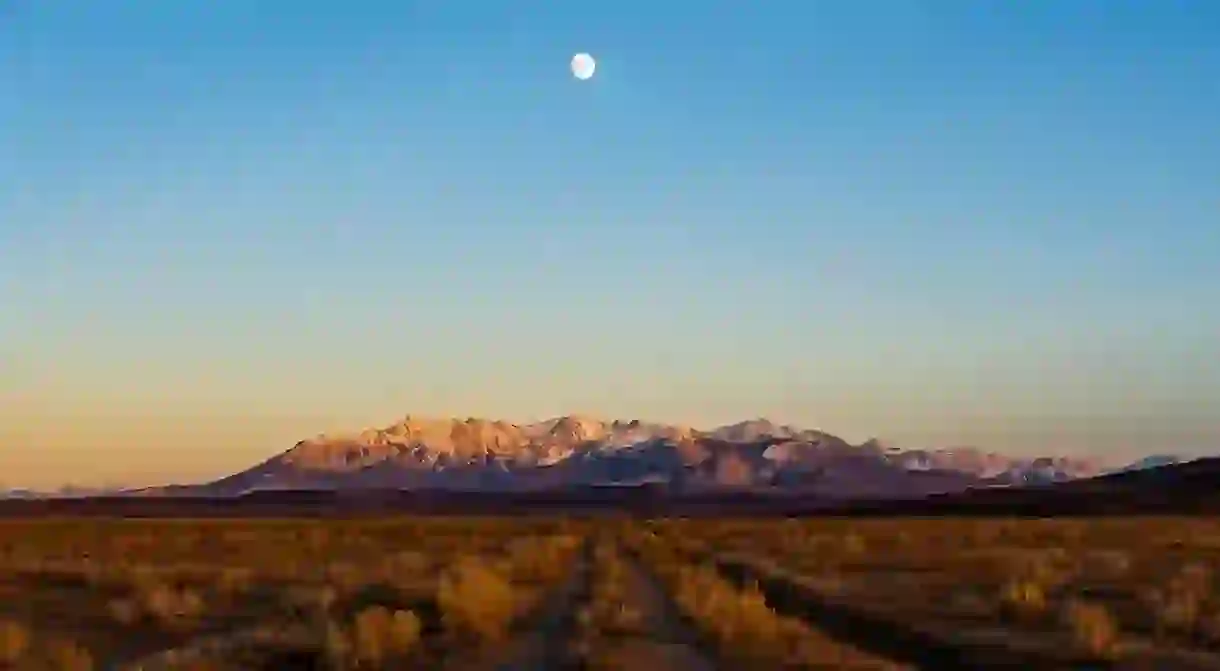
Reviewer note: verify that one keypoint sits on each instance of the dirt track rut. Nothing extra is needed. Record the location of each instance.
(663, 640)
(875, 633)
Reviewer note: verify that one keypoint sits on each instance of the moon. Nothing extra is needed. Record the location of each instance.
(583, 66)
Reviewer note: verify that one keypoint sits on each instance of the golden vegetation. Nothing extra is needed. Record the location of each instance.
(1104, 587)
(14, 641)
(376, 636)
(420, 593)
(365, 594)
(1093, 627)
(476, 600)
(743, 626)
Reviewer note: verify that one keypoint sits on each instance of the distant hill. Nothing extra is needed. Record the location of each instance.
(1152, 461)
(1190, 487)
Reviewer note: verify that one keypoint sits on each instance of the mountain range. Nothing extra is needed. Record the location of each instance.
(574, 451)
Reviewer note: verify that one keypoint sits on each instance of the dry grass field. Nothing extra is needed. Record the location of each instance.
(534, 593)
(945, 593)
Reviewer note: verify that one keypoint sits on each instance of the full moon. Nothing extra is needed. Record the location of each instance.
(583, 66)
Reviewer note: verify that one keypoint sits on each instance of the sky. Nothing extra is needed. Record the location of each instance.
(228, 225)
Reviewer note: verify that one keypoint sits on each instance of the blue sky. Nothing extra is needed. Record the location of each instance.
(225, 226)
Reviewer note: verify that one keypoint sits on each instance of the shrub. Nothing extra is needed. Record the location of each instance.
(474, 599)
(160, 603)
(854, 544)
(234, 580)
(741, 620)
(379, 634)
(1108, 564)
(14, 641)
(124, 611)
(540, 559)
(1023, 598)
(1179, 606)
(410, 563)
(171, 606)
(337, 644)
(1174, 610)
(66, 655)
(1093, 627)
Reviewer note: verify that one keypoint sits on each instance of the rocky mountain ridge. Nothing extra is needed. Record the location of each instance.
(577, 450)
